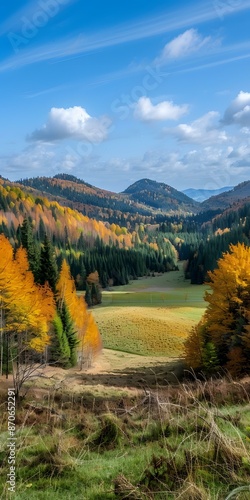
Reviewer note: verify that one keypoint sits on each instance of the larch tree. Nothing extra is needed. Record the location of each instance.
(88, 335)
(224, 333)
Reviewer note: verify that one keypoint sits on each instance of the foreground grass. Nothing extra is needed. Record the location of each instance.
(189, 442)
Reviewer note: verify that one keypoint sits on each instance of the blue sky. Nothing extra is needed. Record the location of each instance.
(113, 92)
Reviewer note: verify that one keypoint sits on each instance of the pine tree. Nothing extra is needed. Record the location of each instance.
(28, 242)
(88, 294)
(48, 269)
(60, 350)
(70, 332)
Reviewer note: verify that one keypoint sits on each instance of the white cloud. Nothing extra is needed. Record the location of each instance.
(165, 110)
(188, 42)
(72, 123)
(238, 112)
(33, 160)
(207, 166)
(202, 130)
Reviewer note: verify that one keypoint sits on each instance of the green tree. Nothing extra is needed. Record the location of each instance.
(60, 350)
(88, 295)
(48, 269)
(28, 242)
(70, 332)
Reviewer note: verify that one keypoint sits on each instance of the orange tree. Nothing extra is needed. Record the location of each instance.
(222, 338)
(26, 313)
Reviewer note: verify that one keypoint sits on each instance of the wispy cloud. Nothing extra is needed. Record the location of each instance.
(31, 94)
(192, 63)
(183, 45)
(30, 11)
(145, 28)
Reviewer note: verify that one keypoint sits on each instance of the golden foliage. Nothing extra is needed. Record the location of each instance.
(194, 346)
(88, 333)
(226, 322)
(29, 308)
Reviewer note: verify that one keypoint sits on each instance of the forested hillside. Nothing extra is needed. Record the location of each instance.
(121, 252)
(140, 203)
(87, 244)
(160, 196)
(224, 200)
(230, 227)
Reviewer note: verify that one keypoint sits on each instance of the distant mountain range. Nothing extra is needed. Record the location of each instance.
(140, 202)
(145, 201)
(228, 198)
(203, 194)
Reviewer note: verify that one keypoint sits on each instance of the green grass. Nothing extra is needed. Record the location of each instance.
(151, 316)
(194, 441)
(175, 298)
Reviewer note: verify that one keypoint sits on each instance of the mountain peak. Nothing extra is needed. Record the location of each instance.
(159, 195)
(71, 178)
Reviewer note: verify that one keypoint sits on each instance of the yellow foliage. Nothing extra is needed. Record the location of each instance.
(230, 295)
(88, 333)
(29, 308)
(194, 346)
(226, 322)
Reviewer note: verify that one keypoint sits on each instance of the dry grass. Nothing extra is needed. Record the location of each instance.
(158, 331)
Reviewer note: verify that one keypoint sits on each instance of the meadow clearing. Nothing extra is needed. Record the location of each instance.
(126, 428)
(151, 316)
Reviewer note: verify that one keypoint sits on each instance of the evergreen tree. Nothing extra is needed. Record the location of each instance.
(93, 294)
(28, 242)
(48, 268)
(88, 295)
(70, 332)
(60, 351)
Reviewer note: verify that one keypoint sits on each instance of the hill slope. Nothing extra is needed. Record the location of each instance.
(224, 200)
(141, 202)
(60, 222)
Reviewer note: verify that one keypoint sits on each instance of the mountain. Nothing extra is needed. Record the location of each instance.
(139, 203)
(160, 196)
(224, 200)
(203, 194)
(144, 201)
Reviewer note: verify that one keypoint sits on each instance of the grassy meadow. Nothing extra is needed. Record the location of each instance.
(126, 428)
(151, 316)
(188, 442)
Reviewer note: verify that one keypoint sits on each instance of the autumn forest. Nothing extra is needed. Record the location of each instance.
(125, 303)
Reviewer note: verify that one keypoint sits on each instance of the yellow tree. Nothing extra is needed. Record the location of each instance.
(226, 330)
(87, 330)
(26, 313)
